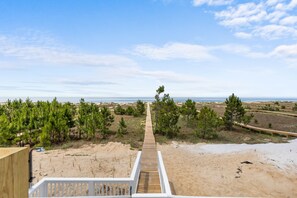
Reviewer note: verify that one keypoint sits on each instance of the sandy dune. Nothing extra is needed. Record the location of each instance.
(201, 169)
(216, 170)
(110, 160)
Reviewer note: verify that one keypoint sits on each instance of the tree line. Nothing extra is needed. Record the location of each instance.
(206, 121)
(47, 123)
(135, 111)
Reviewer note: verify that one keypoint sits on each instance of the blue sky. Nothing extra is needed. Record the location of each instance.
(112, 48)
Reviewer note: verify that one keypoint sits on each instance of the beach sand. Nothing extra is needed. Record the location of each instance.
(200, 169)
(216, 170)
(105, 160)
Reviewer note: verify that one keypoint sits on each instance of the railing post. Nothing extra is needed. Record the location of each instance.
(91, 188)
(43, 189)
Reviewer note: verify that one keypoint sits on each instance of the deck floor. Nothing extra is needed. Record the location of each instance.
(149, 181)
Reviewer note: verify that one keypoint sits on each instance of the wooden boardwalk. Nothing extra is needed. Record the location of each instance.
(149, 181)
(269, 131)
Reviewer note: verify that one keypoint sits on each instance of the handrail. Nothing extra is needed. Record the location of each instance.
(135, 172)
(163, 176)
(89, 186)
(269, 131)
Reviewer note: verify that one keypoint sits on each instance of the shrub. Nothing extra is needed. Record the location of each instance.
(122, 127)
(130, 110)
(118, 110)
(140, 107)
(208, 122)
(295, 107)
(270, 125)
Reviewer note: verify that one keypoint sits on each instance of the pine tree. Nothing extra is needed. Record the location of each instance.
(208, 122)
(188, 109)
(167, 114)
(122, 127)
(140, 107)
(234, 111)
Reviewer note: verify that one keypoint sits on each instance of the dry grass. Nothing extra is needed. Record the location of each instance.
(278, 122)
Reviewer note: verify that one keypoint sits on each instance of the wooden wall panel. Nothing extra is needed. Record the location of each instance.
(14, 172)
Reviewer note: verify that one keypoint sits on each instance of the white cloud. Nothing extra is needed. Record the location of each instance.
(211, 2)
(174, 51)
(289, 51)
(272, 2)
(292, 4)
(271, 19)
(159, 75)
(241, 15)
(275, 31)
(239, 50)
(28, 49)
(85, 82)
(290, 20)
(243, 35)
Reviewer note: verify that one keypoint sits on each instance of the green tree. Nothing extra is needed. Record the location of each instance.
(188, 110)
(6, 131)
(106, 119)
(122, 127)
(167, 114)
(119, 110)
(130, 110)
(140, 107)
(234, 111)
(208, 122)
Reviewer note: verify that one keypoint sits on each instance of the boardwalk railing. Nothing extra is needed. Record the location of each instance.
(268, 131)
(74, 187)
(165, 186)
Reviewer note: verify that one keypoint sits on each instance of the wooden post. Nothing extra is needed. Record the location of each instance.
(14, 172)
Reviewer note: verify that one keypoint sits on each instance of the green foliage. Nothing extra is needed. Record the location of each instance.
(188, 110)
(234, 111)
(105, 119)
(247, 118)
(140, 107)
(268, 107)
(45, 137)
(283, 107)
(6, 131)
(46, 123)
(208, 122)
(130, 110)
(138, 111)
(122, 127)
(166, 114)
(119, 110)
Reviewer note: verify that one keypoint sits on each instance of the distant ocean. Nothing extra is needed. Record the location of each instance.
(147, 99)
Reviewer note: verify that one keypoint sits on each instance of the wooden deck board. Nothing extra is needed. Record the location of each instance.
(149, 181)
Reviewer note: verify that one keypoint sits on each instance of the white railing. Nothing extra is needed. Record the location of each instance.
(165, 186)
(66, 187)
(135, 173)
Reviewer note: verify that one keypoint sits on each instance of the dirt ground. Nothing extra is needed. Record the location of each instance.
(191, 172)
